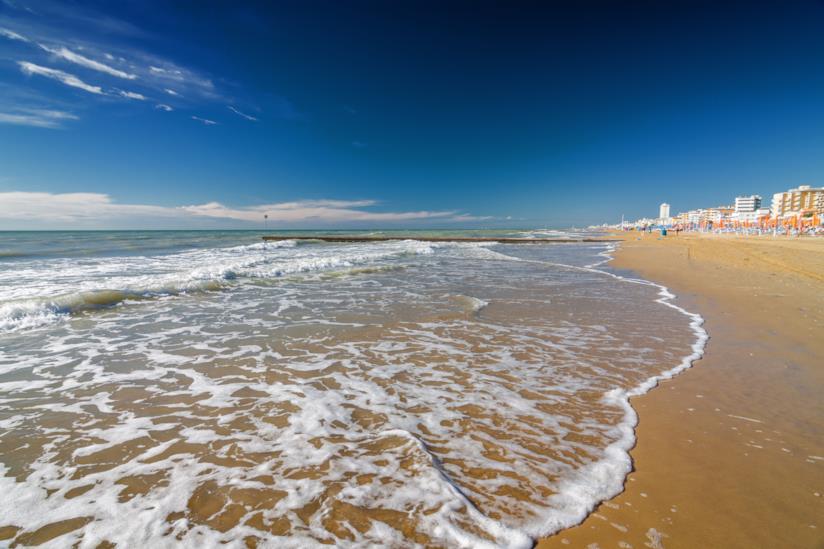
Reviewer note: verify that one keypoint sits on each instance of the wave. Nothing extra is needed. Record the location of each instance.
(549, 233)
(14, 254)
(360, 271)
(33, 313)
(241, 262)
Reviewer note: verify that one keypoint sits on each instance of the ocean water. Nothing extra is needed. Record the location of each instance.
(193, 389)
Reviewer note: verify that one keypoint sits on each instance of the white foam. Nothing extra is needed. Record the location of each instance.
(43, 292)
(472, 304)
(604, 479)
(751, 420)
(176, 349)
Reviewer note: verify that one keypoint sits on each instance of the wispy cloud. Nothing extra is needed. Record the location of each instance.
(39, 118)
(163, 107)
(131, 95)
(83, 61)
(95, 209)
(16, 6)
(60, 76)
(171, 78)
(53, 42)
(11, 35)
(325, 211)
(469, 218)
(74, 15)
(70, 207)
(86, 49)
(174, 74)
(205, 121)
(242, 115)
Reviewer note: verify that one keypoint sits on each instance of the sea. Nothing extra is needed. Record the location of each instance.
(209, 389)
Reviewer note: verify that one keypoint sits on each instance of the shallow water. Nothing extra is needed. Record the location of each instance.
(160, 389)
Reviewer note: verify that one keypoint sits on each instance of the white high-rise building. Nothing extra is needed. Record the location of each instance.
(747, 209)
(747, 204)
(664, 211)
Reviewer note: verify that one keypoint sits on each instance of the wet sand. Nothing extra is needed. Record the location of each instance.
(340, 406)
(731, 452)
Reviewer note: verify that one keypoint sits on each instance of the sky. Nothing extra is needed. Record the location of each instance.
(143, 114)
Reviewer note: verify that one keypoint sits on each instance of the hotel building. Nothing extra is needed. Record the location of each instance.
(799, 201)
(748, 209)
(747, 203)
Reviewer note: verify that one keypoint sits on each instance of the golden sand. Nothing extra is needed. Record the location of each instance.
(730, 453)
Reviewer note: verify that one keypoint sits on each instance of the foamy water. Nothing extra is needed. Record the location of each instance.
(207, 389)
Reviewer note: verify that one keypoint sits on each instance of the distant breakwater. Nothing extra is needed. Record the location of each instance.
(439, 239)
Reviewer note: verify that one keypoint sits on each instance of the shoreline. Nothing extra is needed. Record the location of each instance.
(469, 239)
(618, 460)
(691, 483)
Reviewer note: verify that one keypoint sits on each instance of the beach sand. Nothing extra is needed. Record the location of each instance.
(731, 452)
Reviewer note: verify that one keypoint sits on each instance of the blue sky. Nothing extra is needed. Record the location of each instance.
(401, 114)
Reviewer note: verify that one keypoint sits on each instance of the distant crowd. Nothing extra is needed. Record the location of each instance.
(745, 231)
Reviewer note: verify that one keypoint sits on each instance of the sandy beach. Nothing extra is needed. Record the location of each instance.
(731, 452)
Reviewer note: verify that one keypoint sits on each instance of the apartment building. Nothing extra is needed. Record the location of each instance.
(748, 209)
(799, 201)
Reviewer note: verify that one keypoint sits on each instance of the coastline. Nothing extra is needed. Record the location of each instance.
(219, 376)
(706, 467)
(728, 453)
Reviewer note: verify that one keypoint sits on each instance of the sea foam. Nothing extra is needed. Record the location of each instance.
(35, 295)
(478, 396)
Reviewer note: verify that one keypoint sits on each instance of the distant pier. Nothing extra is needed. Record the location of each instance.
(350, 239)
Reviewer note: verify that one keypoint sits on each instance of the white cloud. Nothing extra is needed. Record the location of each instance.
(172, 78)
(11, 35)
(163, 107)
(132, 95)
(467, 217)
(54, 74)
(324, 211)
(40, 118)
(57, 49)
(205, 121)
(69, 207)
(59, 37)
(176, 74)
(40, 209)
(72, 57)
(242, 115)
